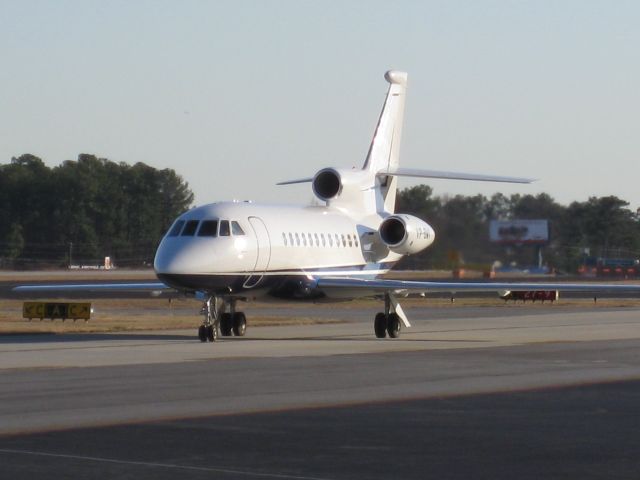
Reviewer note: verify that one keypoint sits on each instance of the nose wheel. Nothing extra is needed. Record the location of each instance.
(207, 333)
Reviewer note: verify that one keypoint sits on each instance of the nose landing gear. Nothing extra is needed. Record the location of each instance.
(208, 331)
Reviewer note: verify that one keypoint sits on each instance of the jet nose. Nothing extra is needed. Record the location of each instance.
(180, 256)
(164, 259)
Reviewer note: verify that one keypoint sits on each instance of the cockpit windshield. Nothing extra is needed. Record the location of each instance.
(190, 228)
(225, 231)
(209, 228)
(236, 229)
(175, 231)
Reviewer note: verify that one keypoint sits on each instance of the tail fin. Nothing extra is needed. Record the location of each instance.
(384, 152)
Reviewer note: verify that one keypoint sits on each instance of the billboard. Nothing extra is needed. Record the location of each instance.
(518, 232)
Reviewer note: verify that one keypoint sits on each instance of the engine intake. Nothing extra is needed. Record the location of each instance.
(393, 231)
(327, 184)
(406, 234)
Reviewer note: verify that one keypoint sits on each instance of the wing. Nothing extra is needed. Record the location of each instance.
(344, 286)
(104, 289)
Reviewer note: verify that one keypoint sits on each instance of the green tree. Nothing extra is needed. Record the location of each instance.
(15, 242)
(101, 207)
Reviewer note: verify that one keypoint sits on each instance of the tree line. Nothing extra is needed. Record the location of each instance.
(601, 227)
(81, 211)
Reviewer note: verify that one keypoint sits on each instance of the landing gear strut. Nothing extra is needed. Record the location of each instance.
(216, 318)
(387, 322)
(208, 331)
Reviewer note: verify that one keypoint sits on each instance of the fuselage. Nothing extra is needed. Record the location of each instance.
(236, 249)
(247, 249)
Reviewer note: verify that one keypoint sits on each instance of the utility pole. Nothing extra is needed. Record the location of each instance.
(70, 253)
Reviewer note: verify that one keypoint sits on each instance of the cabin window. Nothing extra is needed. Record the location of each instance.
(350, 241)
(225, 231)
(330, 240)
(208, 228)
(236, 229)
(317, 239)
(337, 240)
(284, 238)
(344, 241)
(290, 239)
(297, 239)
(324, 243)
(304, 239)
(190, 228)
(175, 231)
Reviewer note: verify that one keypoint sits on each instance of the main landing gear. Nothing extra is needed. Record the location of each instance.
(217, 321)
(387, 322)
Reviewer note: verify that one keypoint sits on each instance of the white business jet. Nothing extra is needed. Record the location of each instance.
(237, 251)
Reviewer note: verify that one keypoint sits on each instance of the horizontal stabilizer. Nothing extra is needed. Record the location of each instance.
(299, 180)
(416, 172)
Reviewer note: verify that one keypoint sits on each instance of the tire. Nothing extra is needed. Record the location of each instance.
(226, 324)
(212, 333)
(394, 326)
(202, 333)
(380, 325)
(239, 324)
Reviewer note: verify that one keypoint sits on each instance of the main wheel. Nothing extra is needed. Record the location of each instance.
(212, 333)
(202, 333)
(239, 324)
(226, 324)
(380, 325)
(394, 325)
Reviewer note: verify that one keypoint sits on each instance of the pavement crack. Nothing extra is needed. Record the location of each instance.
(232, 471)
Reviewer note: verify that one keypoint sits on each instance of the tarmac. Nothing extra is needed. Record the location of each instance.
(475, 392)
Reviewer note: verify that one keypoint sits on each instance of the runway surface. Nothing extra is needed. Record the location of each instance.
(473, 393)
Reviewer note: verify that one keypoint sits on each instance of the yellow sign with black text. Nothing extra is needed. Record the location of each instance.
(54, 310)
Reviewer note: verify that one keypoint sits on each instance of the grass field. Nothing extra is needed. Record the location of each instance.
(154, 314)
(112, 315)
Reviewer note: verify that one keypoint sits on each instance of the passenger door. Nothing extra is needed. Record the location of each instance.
(263, 251)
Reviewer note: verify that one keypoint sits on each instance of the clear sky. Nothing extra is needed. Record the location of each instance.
(238, 95)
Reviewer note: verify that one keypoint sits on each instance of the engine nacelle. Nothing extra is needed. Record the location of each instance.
(406, 234)
(327, 184)
(332, 183)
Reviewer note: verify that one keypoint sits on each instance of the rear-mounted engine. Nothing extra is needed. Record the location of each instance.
(406, 234)
(327, 184)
